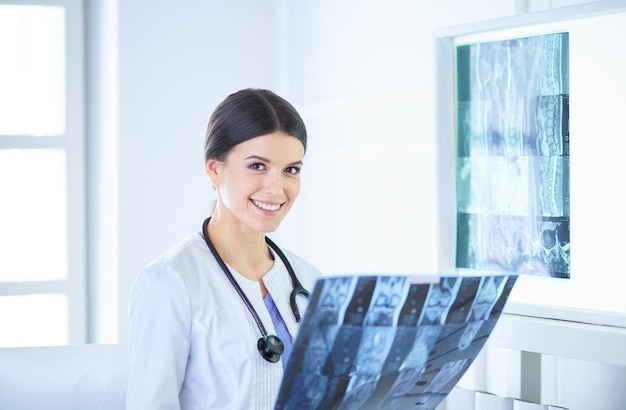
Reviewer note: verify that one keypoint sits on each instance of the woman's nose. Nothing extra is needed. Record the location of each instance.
(272, 181)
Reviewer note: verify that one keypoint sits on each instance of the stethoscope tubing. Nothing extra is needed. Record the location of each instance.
(232, 280)
(298, 289)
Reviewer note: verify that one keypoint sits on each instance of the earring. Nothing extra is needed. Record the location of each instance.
(213, 186)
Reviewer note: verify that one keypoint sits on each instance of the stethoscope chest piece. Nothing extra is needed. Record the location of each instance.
(271, 348)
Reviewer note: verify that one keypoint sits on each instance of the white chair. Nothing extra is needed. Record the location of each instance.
(90, 376)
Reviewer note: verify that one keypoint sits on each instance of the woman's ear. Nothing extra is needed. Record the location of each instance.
(212, 170)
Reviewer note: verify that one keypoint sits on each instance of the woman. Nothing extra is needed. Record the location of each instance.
(210, 319)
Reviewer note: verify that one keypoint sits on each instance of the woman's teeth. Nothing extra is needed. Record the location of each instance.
(266, 207)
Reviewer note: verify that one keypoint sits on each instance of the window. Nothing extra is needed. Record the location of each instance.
(42, 174)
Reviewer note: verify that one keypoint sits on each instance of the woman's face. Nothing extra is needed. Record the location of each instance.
(259, 180)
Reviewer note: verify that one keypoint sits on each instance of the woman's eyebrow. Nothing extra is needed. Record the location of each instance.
(260, 158)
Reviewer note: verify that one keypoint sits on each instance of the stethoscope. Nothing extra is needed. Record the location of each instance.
(270, 346)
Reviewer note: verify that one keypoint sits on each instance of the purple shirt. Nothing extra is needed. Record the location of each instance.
(281, 328)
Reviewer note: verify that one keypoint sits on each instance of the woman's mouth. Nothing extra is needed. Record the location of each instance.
(266, 207)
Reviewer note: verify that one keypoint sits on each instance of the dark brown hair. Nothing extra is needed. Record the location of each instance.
(247, 114)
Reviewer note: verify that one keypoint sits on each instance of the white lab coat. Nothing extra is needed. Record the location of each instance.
(192, 341)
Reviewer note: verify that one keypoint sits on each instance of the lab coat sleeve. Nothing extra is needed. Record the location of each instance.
(159, 339)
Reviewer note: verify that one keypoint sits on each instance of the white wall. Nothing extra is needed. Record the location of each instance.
(177, 60)
(362, 74)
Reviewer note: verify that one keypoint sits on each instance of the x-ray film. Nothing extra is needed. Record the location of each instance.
(513, 148)
(390, 342)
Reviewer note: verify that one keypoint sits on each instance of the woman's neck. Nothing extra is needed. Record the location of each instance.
(241, 248)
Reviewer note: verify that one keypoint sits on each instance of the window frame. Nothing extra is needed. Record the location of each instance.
(73, 143)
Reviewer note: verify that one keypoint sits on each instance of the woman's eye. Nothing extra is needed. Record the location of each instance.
(293, 170)
(257, 166)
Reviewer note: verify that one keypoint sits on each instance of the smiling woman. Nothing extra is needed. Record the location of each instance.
(212, 320)
(256, 184)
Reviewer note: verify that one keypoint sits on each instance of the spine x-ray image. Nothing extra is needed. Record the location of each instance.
(381, 342)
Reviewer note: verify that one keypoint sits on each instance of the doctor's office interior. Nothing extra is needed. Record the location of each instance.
(102, 170)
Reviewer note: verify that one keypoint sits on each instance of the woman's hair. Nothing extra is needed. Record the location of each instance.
(247, 114)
